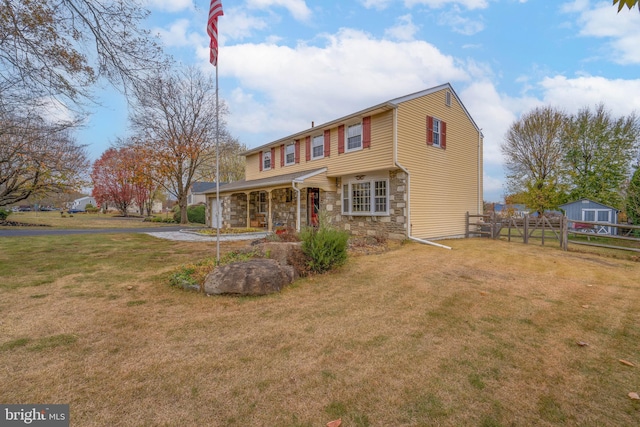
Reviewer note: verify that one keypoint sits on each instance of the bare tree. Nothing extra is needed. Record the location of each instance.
(232, 163)
(533, 152)
(37, 159)
(58, 48)
(174, 115)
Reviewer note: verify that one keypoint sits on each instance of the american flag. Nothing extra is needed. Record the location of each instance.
(212, 29)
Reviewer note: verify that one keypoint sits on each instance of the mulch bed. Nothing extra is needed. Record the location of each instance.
(20, 224)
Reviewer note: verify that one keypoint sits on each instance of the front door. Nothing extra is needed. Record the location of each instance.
(313, 206)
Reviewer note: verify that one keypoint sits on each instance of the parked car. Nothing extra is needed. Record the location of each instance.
(72, 211)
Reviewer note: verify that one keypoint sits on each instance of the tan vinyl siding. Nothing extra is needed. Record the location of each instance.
(378, 157)
(445, 183)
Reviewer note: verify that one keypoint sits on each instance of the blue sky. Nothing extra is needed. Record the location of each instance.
(285, 63)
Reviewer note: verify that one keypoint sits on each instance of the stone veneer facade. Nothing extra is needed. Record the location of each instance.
(283, 205)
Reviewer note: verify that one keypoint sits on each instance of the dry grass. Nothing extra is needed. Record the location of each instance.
(482, 335)
(81, 220)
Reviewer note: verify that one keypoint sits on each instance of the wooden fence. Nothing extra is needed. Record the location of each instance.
(542, 229)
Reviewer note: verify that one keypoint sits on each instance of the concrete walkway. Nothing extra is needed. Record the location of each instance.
(193, 236)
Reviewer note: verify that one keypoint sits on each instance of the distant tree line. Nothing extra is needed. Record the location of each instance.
(553, 157)
(52, 53)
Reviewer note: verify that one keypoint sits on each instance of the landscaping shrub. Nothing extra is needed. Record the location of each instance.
(325, 246)
(4, 214)
(195, 214)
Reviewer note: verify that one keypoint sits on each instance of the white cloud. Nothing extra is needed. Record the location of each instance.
(176, 35)
(285, 88)
(459, 23)
(237, 24)
(376, 4)
(170, 5)
(404, 30)
(621, 97)
(297, 8)
(604, 21)
(436, 4)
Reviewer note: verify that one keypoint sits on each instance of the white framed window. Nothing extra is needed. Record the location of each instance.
(354, 137)
(263, 202)
(436, 132)
(317, 147)
(290, 154)
(266, 160)
(365, 196)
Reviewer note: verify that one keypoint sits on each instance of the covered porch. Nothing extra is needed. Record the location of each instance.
(287, 201)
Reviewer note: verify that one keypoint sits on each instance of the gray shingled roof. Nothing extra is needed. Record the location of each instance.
(265, 182)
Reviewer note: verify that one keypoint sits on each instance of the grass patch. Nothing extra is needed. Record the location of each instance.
(60, 340)
(482, 335)
(19, 342)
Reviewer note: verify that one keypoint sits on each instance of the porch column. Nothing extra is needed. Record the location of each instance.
(247, 194)
(269, 224)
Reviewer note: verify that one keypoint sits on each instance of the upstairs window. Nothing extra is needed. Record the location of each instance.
(290, 154)
(317, 148)
(266, 160)
(354, 137)
(436, 133)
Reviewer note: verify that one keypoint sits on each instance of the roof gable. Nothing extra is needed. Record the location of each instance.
(379, 108)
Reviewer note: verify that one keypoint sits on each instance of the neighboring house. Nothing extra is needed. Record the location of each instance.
(588, 210)
(196, 193)
(410, 167)
(510, 210)
(81, 203)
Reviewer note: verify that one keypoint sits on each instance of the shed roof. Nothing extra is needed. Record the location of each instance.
(589, 200)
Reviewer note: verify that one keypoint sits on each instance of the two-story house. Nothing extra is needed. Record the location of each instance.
(410, 167)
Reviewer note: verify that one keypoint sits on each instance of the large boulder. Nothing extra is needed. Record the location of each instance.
(253, 277)
(286, 253)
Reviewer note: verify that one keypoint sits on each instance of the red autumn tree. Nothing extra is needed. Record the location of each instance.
(113, 179)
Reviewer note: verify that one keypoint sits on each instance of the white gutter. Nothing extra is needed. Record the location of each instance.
(408, 204)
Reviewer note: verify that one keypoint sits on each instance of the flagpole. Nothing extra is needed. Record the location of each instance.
(217, 172)
(215, 10)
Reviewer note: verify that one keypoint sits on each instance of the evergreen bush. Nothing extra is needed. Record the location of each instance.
(325, 246)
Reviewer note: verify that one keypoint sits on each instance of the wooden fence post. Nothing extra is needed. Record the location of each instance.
(526, 229)
(466, 229)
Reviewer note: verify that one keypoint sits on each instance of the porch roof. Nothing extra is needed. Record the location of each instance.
(267, 182)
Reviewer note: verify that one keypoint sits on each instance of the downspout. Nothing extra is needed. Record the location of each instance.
(408, 204)
(293, 184)
(480, 199)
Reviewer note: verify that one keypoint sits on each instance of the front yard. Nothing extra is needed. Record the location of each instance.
(485, 334)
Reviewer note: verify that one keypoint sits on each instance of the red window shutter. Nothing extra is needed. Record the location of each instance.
(366, 132)
(273, 157)
(443, 135)
(297, 151)
(340, 139)
(282, 155)
(307, 148)
(327, 142)
(261, 161)
(429, 130)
